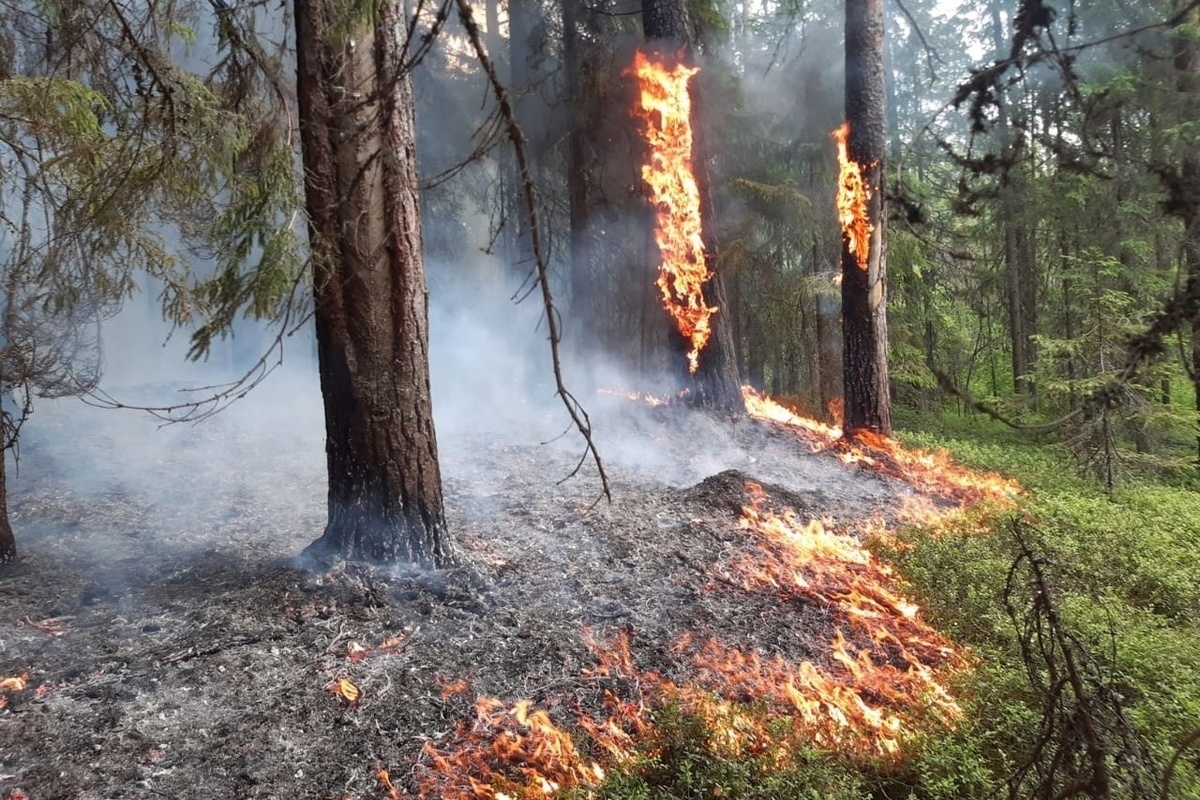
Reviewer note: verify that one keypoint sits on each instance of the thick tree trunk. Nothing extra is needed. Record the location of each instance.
(864, 287)
(8, 543)
(715, 383)
(358, 138)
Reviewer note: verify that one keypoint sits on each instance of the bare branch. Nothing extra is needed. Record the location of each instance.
(578, 414)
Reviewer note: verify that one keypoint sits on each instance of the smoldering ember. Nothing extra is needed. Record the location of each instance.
(168, 643)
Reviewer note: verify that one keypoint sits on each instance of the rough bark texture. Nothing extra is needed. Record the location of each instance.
(715, 383)
(8, 543)
(666, 22)
(864, 294)
(358, 135)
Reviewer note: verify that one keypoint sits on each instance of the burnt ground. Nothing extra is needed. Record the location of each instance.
(188, 654)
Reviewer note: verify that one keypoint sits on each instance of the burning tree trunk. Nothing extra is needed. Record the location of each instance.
(861, 207)
(704, 340)
(357, 133)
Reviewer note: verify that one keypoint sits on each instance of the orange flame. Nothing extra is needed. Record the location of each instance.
(357, 652)
(853, 195)
(513, 751)
(14, 684)
(385, 781)
(665, 107)
(345, 689)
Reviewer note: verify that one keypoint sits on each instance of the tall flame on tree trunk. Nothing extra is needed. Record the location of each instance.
(665, 107)
(852, 197)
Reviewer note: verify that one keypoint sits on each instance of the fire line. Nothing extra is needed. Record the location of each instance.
(665, 106)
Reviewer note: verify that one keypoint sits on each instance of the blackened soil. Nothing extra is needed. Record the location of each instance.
(175, 648)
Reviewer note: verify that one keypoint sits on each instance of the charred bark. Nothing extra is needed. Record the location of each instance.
(371, 307)
(864, 288)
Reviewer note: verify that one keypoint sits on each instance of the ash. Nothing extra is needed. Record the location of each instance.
(175, 648)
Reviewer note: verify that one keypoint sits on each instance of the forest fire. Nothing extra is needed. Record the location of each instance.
(665, 107)
(933, 473)
(852, 197)
(880, 681)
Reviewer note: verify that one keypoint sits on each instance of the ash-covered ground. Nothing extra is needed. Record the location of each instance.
(175, 648)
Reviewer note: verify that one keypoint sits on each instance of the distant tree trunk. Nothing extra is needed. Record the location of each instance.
(864, 287)
(583, 306)
(715, 382)
(1021, 285)
(1187, 67)
(531, 115)
(358, 140)
(8, 543)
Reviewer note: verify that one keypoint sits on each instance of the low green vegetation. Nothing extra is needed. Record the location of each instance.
(1081, 611)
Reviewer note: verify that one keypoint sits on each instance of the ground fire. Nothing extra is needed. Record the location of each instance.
(883, 678)
(852, 197)
(665, 108)
(934, 473)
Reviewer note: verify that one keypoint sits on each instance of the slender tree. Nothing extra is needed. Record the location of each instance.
(864, 285)
(357, 132)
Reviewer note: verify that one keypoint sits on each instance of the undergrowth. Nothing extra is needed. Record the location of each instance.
(1117, 612)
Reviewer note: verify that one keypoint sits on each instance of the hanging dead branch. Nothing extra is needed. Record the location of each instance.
(1085, 745)
(574, 408)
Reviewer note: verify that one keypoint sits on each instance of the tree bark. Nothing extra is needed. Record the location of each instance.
(371, 307)
(864, 287)
(8, 542)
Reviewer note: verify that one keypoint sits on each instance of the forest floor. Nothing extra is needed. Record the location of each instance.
(174, 647)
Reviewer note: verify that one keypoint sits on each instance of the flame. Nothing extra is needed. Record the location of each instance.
(54, 626)
(798, 561)
(665, 107)
(345, 689)
(853, 194)
(645, 397)
(932, 473)
(385, 781)
(15, 683)
(357, 652)
(514, 751)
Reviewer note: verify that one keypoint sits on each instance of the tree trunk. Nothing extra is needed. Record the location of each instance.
(358, 140)
(1187, 65)
(1022, 301)
(715, 383)
(8, 543)
(864, 287)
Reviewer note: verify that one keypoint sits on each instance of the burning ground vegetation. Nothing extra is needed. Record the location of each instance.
(160, 640)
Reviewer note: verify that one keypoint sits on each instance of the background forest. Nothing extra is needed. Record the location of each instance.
(1042, 183)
